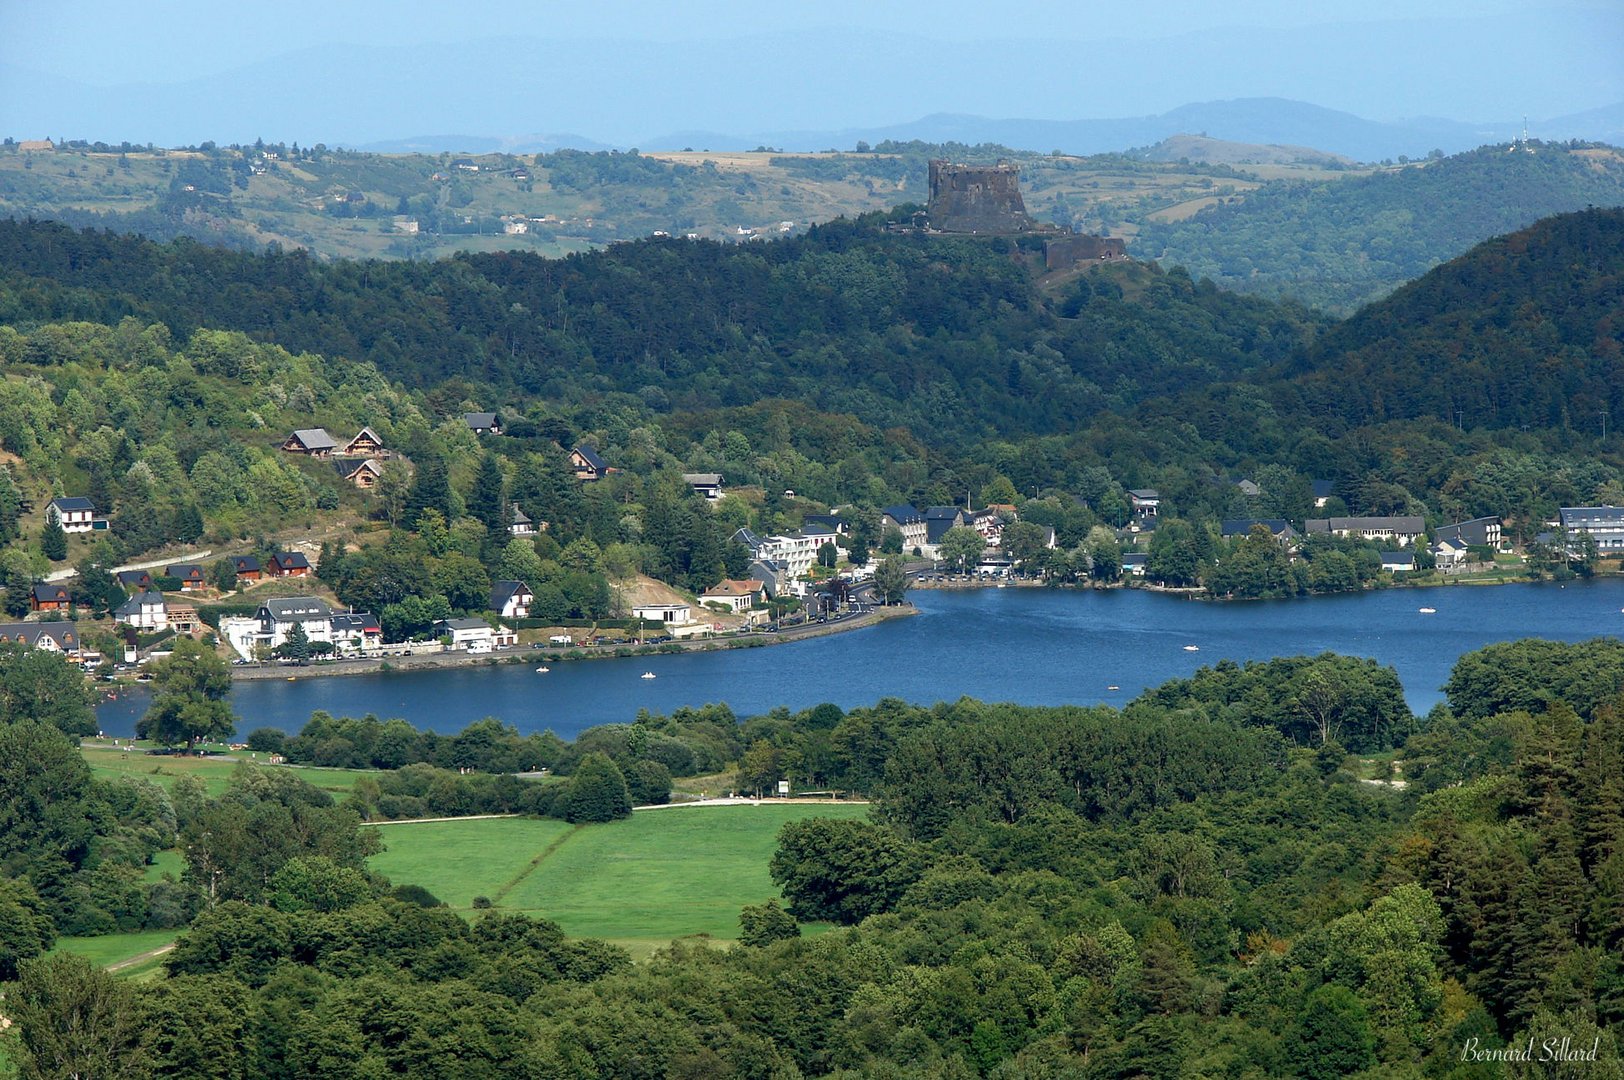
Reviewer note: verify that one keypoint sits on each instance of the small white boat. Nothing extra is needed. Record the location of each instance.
(544, 669)
(1192, 648)
(647, 675)
(1429, 611)
(1113, 688)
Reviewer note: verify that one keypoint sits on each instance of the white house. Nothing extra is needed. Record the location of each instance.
(1402, 530)
(278, 617)
(511, 599)
(74, 513)
(1397, 561)
(707, 484)
(356, 632)
(475, 635)
(736, 596)
(909, 521)
(675, 614)
(144, 611)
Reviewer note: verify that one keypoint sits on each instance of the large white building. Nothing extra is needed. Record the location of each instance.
(277, 618)
(1605, 524)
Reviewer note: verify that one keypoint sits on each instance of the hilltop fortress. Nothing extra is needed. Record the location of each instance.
(985, 200)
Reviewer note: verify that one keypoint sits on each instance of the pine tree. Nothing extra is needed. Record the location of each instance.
(53, 541)
(488, 500)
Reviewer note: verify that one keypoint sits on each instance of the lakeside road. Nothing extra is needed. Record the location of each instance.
(554, 654)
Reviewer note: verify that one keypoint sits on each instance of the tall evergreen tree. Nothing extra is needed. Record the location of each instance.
(430, 490)
(53, 541)
(488, 500)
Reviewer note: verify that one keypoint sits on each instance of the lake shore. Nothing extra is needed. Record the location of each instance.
(538, 654)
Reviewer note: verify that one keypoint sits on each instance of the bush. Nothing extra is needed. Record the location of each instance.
(597, 792)
(416, 894)
(648, 782)
(482, 903)
(267, 740)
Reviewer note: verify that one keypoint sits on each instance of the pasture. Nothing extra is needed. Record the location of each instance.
(640, 883)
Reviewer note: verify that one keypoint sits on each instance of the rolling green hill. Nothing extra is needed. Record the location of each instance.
(1341, 245)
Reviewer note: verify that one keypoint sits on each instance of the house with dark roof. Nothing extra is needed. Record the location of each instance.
(247, 567)
(910, 522)
(939, 519)
(511, 599)
(139, 580)
(1249, 488)
(1322, 492)
(190, 575)
(1604, 524)
(277, 617)
(48, 598)
(1403, 530)
(363, 473)
(356, 631)
(519, 523)
(833, 522)
(75, 513)
(475, 635)
(1279, 528)
(1398, 561)
(483, 423)
(1134, 564)
(1478, 532)
(144, 611)
(314, 442)
(587, 464)
(706, 485)
(60, 637)
(289, 564)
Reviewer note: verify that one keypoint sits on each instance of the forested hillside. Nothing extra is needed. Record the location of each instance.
(1201, 884)
(1338, 246)
(1525, 331)
(854, 365)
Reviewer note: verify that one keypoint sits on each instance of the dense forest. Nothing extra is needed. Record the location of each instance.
(1339, 246)
(1197, 885)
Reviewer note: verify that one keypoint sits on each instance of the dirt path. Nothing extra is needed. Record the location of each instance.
(140, 958)
(557, 843)
(425, 820)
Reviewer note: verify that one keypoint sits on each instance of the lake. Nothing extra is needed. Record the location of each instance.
(1032, 646)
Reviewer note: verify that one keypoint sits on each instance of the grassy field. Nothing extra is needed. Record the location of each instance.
(107, 760)
(640, 883)
(109, 949)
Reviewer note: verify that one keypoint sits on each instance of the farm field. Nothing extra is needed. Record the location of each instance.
(639, 883)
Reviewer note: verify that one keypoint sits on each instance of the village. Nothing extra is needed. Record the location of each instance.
(804, 571)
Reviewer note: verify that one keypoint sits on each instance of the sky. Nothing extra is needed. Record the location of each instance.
(179, 70)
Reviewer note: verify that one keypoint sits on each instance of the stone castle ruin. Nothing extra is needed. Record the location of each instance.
(985, 200)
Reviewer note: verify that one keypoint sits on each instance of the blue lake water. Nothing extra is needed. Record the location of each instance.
(1032, 646)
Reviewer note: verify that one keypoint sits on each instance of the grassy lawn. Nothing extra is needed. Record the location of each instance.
(108, 760)
(640, 883)
(166, 862)
(459, 860)
(108, 949)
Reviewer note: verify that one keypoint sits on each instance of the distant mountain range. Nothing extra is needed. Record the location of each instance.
(1297, 125)
(824, 86)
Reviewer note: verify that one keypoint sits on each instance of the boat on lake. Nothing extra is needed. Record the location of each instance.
(543, 669)
(1192, 648)
(647, 675)
(1429, 611)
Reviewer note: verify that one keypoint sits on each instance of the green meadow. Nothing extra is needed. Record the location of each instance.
(642, 882)
(107, 760)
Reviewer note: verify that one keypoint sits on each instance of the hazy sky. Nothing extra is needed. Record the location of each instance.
(78, 67)
(114, 41)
